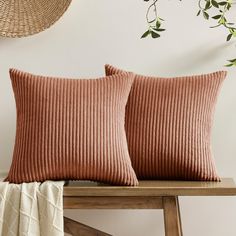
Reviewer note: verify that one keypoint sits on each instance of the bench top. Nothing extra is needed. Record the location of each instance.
(226, 187)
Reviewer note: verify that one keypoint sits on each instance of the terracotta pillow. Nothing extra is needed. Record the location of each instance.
(71, 129)
(168, 125)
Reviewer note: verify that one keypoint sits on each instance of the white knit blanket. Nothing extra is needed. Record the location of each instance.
(32, 209)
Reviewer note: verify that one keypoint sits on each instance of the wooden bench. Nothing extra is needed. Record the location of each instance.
(148, 195)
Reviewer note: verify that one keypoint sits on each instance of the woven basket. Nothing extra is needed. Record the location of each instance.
(20, 18)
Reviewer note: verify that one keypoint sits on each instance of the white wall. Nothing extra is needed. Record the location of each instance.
(93, 33)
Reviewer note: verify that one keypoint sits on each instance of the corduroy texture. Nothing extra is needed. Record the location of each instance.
(71, 129)
(168, 125)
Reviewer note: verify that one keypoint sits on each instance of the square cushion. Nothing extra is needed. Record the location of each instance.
(168, 125)
(71, 129)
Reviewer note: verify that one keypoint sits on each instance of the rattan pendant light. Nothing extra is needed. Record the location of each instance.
(20, 18)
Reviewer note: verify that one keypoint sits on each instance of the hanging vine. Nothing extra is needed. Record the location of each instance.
(206, 8)
(154, 24)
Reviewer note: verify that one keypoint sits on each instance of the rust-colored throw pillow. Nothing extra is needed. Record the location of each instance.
(168, 125)
(71, 129)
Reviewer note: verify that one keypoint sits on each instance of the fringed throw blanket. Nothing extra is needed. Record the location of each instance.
(31, 209)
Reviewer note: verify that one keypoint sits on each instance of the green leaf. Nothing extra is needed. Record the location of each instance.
(228, 6)
(215, 26)
(146, 34)
(229, 37)
(208, 5)
(155, 35)
(206, 15)
(159, 29)
(222, 3)
(229, 65)
(214, 3)
(232, 63)
(199, 12)
(216, 17)
(158, 24)
(232, 60)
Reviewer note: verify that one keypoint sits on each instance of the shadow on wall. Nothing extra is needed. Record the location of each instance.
(5, 41)
(199, 57)
(106, 220)
(7, 139)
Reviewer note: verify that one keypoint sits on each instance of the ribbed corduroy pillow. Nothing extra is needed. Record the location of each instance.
(168, 125)
(71, 129)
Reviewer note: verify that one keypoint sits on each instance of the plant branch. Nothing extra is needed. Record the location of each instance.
(223, 6)
(148, 11)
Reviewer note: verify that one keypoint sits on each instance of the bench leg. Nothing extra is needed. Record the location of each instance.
(172, 217)
(75, 228)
